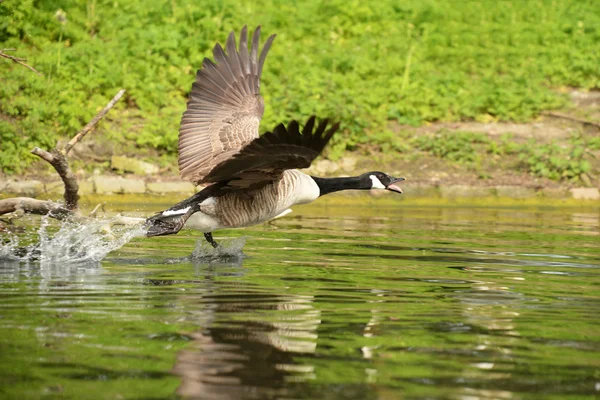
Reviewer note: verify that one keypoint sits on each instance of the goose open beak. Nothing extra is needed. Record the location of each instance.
(395, 188)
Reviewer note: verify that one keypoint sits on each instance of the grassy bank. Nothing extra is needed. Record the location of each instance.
(410, 62)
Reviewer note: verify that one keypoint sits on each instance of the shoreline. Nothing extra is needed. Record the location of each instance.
(120, 188)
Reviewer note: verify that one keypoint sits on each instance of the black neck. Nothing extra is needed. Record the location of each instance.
(330, 185)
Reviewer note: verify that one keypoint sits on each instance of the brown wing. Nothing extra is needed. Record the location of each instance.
(225, 107)
(265, 158)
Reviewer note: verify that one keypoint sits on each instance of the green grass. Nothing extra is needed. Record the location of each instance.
(568, 160)
(412, 62)
(454, 146)
(556, 161)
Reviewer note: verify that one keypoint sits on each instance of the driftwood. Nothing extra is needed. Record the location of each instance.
(58, 159)
(33, 206)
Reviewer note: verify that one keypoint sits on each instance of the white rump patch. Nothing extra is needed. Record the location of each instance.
(209, 202)
(283, 213)
(376, 183)
(202, 222)
(175, 212)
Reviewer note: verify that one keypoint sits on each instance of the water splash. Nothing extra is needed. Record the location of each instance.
(228, 249)
(74, 242)
(7, 248)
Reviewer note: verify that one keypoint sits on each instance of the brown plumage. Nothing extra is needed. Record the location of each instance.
(225, 106)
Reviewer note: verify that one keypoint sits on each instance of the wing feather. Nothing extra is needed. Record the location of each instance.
(263, 55)
(225, 106)
(264, 159)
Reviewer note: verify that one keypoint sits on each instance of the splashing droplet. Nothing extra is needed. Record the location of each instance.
(74, 242)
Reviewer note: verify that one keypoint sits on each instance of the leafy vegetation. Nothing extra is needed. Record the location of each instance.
(411, 62)
(504, 146)
(557, 161)
(457, 146)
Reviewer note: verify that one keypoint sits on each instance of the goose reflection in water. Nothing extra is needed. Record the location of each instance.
(251, 357)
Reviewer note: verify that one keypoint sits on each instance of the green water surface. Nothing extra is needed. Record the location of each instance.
(331, 302)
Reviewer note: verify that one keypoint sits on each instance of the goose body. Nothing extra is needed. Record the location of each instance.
(267, 203)
(251, 179)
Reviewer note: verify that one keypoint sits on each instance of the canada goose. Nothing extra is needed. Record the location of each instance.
(251, 179)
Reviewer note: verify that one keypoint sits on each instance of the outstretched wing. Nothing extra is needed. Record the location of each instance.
(263, 160)
(225, 107)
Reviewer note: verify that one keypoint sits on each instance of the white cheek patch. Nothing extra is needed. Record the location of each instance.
(376, 183)
(175, 212)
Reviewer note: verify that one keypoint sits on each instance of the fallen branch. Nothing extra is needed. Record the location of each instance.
(34, 206)
(18, 60)
(93, 122)
(571, 118)
(58, 159)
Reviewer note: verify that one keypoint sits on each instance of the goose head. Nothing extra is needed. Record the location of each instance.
(381, 180)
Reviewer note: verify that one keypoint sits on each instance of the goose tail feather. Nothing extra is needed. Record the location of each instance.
(161, 224)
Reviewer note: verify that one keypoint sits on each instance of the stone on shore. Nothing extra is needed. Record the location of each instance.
(455, 191)
(515, 192)
(585, 193)
(171, 187)
(127, 164)
(30, 188)
(328, 167)
(57, 187)
(555, 193)
(419, 190)
(110, 184)
(86, 187)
